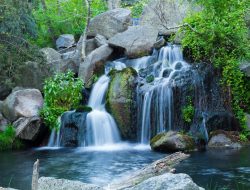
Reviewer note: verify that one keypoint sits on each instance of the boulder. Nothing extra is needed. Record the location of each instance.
(172, 142)
(223, 140)
(1, 106)
(22, 103)
(121, 101)
(168, 181)
(162, 14)
(28, 128)
(49, 183)
(100, 40)
(94, 63)
(4, 91)
(110, 23)
(245, 68)
(137, 41)
(65, 41)
(3, 122)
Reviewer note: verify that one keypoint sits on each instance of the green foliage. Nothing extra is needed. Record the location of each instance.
(65, 17)
(218, 36)
(7, 139)
(188, 111)
(136, 8)
(16, 26)
(61, 93)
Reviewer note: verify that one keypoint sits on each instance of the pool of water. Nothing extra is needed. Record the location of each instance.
(227, 169)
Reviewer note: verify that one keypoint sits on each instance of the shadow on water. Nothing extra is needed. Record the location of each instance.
(227, 169)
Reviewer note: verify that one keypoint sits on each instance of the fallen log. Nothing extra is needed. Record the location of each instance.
(158, 167)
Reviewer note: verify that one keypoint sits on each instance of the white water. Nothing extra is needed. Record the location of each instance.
(101, 127)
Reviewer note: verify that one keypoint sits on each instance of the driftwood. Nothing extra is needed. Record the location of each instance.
(158, 167)
(35, 176)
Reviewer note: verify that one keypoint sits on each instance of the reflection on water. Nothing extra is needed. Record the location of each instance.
(100, 166)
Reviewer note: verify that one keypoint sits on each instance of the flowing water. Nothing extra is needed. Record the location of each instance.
(220, 169)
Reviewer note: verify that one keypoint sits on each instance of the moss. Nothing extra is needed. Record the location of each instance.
(150, 78)
(83, 108)
(157, 138)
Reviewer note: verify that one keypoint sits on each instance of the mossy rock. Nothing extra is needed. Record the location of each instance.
(121, 101)
(83, 108)
(172, 142)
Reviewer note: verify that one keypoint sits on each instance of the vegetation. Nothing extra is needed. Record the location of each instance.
(188, 111)
(136, 8)
(61, 93)
(218, 36)
(54, 18)
(7, 139)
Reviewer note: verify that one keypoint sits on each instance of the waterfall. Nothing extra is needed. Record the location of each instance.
(101, 127)
(156, 102)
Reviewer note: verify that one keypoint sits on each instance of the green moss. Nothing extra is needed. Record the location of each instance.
(188, 111)
(150, 78)
(157, 138)
(83, 108)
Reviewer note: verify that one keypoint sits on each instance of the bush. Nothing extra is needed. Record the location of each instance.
(188, 111)
(136, 8)
(66, 17)
(61, 93)
(7, 139)
(218, 36)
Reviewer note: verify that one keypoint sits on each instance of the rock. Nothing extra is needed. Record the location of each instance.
(223, 141)
(137, 41)
(28, 128)
(121, 101)
(1, 106)
(94, 63)
(159, 43)
(65, 41)
(168, 181)
(72, 128)
(22, 103)
(245, 68)
(110, 23)
(172, 11)
(51, 56)
(49, 183)
(100, 40)
(4, 91)
(172, 142)
(3, 122)
(91, 45)
(248, 121)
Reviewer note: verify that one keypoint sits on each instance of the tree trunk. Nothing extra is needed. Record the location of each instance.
(158, 167)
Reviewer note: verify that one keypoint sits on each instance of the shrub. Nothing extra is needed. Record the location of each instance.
(136, 8)
(188, 111)
(61, 93)
(7, 139)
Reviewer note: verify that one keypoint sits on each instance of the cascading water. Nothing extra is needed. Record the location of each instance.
(101, 127)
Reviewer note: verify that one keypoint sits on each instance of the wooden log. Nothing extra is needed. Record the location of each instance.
(158, 167)
(35, 176)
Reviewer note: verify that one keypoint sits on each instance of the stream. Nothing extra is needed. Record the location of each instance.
(227, 169)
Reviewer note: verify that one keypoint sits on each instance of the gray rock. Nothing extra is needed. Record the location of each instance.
(159, 43)
(49, 183)
(91, 45)
(28, 128)
(114, 4)
(137, 41)
(168, 181)
(4, 91)
(245, 68)
(22, 103)
(3, 122)
(94, 63)
(222, 141)
(110, 23)
(65, 41)
(51, 56)
(172, 142)
(173, 13)
(1, 106)
(248, 121)
(100, 40)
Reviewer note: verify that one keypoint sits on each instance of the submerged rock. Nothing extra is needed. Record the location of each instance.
(49, 183)
(172, 142)
(137, 41)
(110, 23)
(168, 181)
(121, 101)
(22, 103)
(222, 139)
(65, 41)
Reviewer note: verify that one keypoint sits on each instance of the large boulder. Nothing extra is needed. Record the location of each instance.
(110, 23)
(168, 181)
(223, 139)
(172, 142)
(94, 63)
(22, 103)
(29, 129)
(245, 68)
(137, 41)
(162, 14)
(65, 41)
(121, 101)
(4, 91)
(49, 183)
